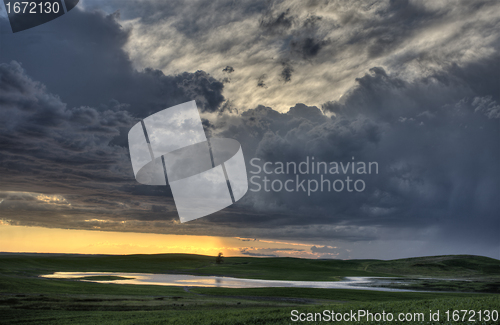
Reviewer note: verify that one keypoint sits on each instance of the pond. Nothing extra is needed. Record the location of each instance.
(360, 283)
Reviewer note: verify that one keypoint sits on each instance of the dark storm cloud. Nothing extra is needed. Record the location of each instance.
(199, 86)
(310, 113)
(481, 76)
(434, 136)
(30, 114)
(50, 54)
(435, 141)
(73, 146)
(50, 148)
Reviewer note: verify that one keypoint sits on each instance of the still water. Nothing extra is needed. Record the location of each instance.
(360, 283)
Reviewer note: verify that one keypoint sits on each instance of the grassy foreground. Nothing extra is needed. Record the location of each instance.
(25, 298)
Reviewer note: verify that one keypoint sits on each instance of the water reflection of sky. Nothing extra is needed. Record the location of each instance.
(360, 283)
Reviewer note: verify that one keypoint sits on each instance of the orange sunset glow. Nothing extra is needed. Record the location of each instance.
(53, 240)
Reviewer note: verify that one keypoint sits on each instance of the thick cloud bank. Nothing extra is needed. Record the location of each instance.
(418, 98)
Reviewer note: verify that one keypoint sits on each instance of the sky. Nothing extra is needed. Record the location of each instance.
(412, 86)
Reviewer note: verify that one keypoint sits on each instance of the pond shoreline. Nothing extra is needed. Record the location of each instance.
(185, 280)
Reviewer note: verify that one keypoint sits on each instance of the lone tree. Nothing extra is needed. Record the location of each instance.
(219, 259)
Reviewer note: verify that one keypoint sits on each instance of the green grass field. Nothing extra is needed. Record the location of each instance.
(26, 298)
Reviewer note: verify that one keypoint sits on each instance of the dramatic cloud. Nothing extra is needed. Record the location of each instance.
(327, 43)
(424, 135)
(410, 86)
(89, 52)
(74, 144)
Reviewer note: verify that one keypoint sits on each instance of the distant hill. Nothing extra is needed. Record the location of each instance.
(448, 266)
(441, 266)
